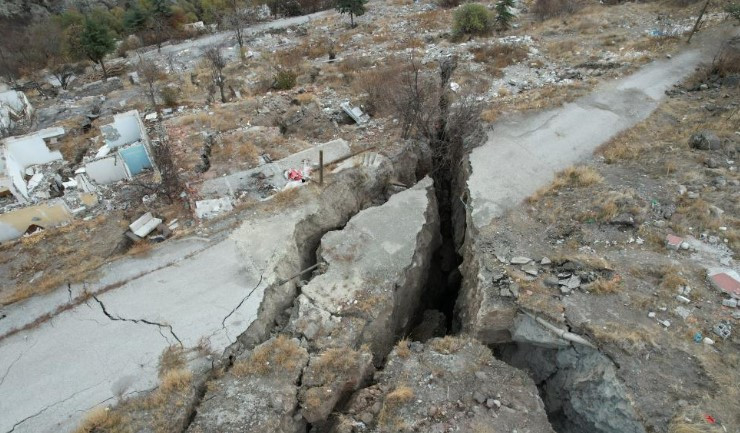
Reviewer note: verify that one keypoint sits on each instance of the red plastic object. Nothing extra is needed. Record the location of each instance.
(710, 419)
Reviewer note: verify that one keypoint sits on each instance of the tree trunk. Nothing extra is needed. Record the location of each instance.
(221, 88)
(351, 20)
(105, 71)
(151, 96)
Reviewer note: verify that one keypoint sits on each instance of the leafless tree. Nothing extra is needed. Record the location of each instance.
(238, 17)
(149, 74)
(216, 62)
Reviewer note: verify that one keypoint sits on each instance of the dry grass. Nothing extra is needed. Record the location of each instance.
(334, 363)
(672, 278)
(571, 177)
(432, 20)
(172, 358)
(285, 196)
(402, 348)
(500, 55)
(603, 286)
(630, 338)
(275, 356)
(402, 394)
(102, 419)
(140, 248)
(178, 379)
(448, 344)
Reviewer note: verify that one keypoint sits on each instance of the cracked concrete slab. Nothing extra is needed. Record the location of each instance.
(81, 357)
(376, 269)
(523, 153)
(23, 313)
(217, 291)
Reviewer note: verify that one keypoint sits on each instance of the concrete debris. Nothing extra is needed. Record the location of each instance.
(128, 139)
(727, 282)
(732, 303)
(673, 242)
(376, 268)
(144, 225)
(14, 107)
(263, 181)
(210, 208)
(443, 383)
(355, 113)
(723, 329)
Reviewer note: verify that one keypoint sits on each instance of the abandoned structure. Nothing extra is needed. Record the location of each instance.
(36, 194)
(14, 107)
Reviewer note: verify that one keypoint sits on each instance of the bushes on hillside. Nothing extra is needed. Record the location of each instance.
(472, 19)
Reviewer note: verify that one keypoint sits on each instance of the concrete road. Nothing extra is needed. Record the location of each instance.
(52, 374)
(189, 52)
(523, 154)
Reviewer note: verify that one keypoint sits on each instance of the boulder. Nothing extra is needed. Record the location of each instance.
(704, 140)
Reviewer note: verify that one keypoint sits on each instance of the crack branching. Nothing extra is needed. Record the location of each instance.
(160, 326)
(223, 322)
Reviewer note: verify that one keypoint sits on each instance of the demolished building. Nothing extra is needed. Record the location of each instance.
(125, 153)
(14, 107)
(40, 190)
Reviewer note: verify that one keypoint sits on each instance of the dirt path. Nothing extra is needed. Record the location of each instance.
(523, 153)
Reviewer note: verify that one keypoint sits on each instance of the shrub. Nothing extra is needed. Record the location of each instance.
(544, 9)
(284, 80)
(170, 96)
(472, 19)
(449, 4)
(733, 10)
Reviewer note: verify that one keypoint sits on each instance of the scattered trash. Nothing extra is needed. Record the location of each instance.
(698, 337)
(732, 303)
(708, 341)
(710, 419)
(683, 299)
(144, 225)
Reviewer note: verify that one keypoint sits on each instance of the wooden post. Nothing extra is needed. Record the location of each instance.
(698, 20)
(321, 167)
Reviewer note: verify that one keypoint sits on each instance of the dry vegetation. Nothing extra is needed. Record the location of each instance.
(276, 356)
(448, 344)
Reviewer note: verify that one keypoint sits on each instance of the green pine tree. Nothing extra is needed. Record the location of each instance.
(504, 16)
(96, 42)
(351, 7)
